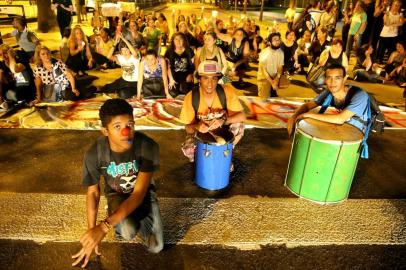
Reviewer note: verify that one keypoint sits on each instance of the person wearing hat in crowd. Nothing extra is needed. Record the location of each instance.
(210, 115)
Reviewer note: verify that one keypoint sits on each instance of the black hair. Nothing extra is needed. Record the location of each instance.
(122, 45)
(152, 52)
(114, 107)
(21, 20)
(401, 42)
(106, 30)
(271, 35)
(336, 66)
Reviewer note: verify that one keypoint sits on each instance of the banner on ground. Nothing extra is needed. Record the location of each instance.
(159, 114)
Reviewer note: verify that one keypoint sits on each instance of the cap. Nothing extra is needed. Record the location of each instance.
(209, 68)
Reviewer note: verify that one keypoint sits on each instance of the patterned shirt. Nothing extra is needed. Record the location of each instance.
(56, 76)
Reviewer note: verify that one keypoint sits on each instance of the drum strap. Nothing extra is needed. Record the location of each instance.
(196, 97)
(351, 92)
(103, 156)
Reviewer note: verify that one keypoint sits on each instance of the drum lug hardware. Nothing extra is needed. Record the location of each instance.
(226, 152)
(207, 153)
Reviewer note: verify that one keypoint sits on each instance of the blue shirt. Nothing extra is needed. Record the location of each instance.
(356, 101)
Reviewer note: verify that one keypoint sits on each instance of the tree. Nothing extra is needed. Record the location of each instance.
(46, 16)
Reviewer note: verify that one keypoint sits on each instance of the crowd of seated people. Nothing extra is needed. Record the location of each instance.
(158, 60)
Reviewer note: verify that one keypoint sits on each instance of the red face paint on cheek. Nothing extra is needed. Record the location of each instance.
(125, 131)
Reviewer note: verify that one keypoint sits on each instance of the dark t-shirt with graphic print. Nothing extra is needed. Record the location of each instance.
(120, 170)
(181, 65)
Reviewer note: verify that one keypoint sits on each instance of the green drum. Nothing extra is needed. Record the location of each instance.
(323, 160)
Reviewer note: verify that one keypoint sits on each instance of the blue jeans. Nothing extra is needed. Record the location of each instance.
(149, 227)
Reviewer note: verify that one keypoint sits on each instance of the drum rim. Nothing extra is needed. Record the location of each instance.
(314, 201)
(329, 141)
(214, 143)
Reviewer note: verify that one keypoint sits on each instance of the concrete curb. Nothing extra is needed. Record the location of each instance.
(241, 221)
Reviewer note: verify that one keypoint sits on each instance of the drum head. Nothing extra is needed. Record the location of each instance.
(209, 139)
(330, 132)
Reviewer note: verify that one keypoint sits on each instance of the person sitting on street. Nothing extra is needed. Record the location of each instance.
(53, 80)
(395, 59)
(398, 75)
(318, 45)
(192, 41)
(237, 53)
(270, 67)
(334, 54)
(210, 115)
(289, 47)
(302, 52)
(152, 35)
(221, 29)
(80, 58)
(180, 65)
(27, 40)
(132, 35)
(127, 160)
(16, 79)
(129, 60)
(97, 21)
(211, 52)
(363, 69)
(162, 24)
(153, 77)
(351, 102)
(198, 34)
(104, 44)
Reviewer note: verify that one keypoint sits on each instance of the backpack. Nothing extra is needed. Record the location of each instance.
(375, 118)
(196, 97)
(103, 161)
(103, 157)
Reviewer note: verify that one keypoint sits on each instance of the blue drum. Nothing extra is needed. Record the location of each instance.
(213, 160)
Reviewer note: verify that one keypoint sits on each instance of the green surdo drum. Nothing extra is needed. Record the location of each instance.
(323, 160)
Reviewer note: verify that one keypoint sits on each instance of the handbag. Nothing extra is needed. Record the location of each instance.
(283, 81)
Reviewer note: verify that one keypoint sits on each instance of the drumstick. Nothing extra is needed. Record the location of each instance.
(220, 140)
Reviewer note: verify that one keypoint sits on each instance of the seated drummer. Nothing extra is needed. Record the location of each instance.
(210, 115)
(352, 102)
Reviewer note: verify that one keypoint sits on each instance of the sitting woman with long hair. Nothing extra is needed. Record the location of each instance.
(153, 77)
(16, 79)
(364, 67)
(238, 52)
(53, 80)
(210, 51)
(181, 68)
(80, 58)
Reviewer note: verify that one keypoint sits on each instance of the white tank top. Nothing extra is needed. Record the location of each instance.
(391, 31)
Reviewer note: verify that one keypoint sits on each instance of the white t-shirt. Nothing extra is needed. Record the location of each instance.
(130, 67)
(271, 60)
(391, 31)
